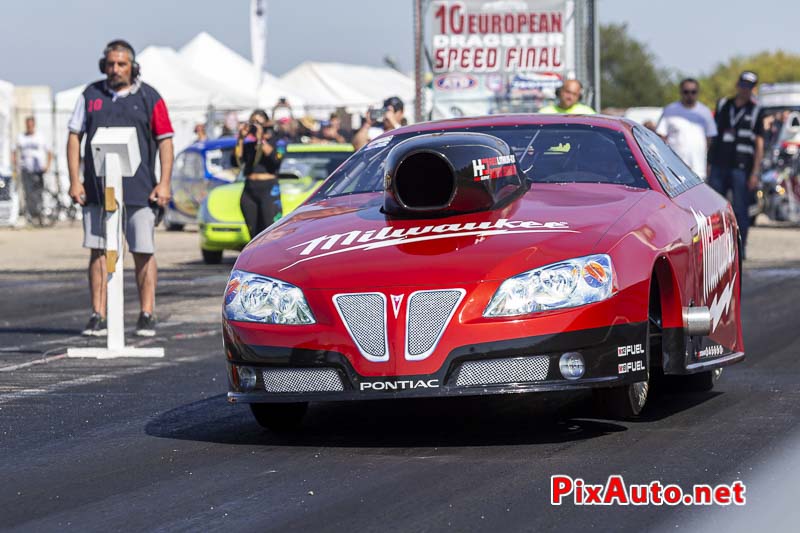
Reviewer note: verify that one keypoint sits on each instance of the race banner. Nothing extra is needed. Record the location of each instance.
(498, 56)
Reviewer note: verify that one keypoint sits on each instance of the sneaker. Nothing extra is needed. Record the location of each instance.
(146, 325)
(96, 327)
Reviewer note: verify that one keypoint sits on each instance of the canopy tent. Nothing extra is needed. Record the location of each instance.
(355, 87)
(6, 118)
(204, 54)
(187, 92)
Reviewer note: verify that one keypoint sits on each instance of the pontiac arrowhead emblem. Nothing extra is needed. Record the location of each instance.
(397, 299)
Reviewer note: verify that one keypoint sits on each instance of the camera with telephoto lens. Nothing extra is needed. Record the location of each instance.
(252, 128)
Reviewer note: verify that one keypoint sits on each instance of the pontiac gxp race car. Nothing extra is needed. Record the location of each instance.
(489, 255)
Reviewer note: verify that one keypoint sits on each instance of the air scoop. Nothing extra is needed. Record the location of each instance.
(443, 174)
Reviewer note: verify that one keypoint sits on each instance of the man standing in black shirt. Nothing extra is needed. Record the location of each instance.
(121, 100)
(737, 150)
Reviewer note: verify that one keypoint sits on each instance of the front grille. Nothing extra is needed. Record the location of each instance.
(364, 316)
(301, 380)
(508, 370)
(429, 312)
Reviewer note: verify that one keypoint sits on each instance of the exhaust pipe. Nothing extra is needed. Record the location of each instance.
(697, 320)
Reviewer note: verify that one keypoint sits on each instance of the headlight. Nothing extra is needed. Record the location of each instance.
(254, 298)
(566, 284)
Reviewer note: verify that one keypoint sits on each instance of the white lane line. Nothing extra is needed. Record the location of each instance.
(95, 378)
(35, 362)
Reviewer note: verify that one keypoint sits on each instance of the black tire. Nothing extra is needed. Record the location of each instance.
(628, 401)
(700, 382)
(279, 417)
(624, 402)
(212, 257)
(174, 226)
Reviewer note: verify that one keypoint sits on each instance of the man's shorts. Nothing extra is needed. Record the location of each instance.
(138, 224)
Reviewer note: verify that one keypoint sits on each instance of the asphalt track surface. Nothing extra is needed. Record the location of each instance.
(129, 445)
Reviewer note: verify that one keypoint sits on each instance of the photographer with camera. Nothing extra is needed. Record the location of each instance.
(389, 117)
(256, 153)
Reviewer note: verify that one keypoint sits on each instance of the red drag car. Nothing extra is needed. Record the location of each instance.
(489, 255)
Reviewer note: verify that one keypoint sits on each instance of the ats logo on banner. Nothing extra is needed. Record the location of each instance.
(456, 82)
(490, 168)
(631, 366)
(631, 349)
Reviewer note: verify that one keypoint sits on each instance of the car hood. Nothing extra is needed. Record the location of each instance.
(347, 242)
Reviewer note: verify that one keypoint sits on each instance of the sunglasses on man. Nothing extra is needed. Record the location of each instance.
(689, 91)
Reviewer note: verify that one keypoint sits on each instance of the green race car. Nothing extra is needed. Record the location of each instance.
(303, 169)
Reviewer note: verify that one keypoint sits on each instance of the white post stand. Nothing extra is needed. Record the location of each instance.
(116, 154)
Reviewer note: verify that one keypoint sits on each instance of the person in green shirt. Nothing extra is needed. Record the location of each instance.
(568, 101)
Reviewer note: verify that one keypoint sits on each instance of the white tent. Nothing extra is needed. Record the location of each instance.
(187, 92)
(6, 118)
(326, 86)
(206, 54)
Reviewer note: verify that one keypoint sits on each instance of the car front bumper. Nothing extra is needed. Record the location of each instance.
(613, 356)
(218, 236)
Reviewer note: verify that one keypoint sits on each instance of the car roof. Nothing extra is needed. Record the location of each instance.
(318, 147)
(212, 144)
(518, 119)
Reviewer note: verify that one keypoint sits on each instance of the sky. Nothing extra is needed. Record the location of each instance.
(58, 42)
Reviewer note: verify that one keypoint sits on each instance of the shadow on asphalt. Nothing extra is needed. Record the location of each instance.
(440, 422)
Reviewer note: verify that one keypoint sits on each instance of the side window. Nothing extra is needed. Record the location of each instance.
(194, 166)
(180, 161)
(673, 174)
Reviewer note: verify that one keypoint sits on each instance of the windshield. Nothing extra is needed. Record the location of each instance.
(551, 153)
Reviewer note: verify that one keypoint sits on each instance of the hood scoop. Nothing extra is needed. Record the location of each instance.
(445, 174)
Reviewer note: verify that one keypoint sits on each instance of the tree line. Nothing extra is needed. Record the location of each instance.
(631, 77)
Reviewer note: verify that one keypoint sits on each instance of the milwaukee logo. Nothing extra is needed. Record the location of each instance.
(356, 240)
(718, 253)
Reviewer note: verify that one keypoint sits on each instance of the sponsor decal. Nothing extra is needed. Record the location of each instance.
(494, 82)
(400, 384)
(535, 83)
(455, 81)
(631, 349)
(630, 366)
(397, 299)
(358, 240)
(711, 351)
(490, 168)
(718, 251)
(721, 303)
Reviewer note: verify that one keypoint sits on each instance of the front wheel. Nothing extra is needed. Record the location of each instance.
(279, 417)
(628, 401)
(700, 382)
(623, 402)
